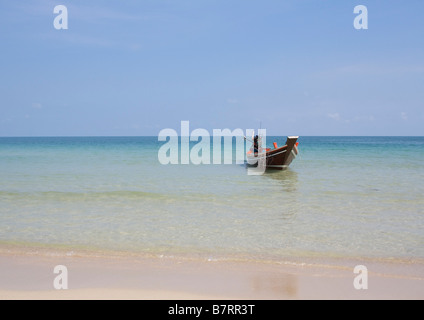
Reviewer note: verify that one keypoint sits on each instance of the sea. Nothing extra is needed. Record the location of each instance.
(341, 197)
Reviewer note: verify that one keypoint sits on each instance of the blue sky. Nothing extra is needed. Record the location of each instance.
(135, 67)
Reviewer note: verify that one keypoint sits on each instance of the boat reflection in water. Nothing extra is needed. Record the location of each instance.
(287, 179)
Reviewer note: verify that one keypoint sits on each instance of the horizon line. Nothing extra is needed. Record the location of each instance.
(139, 136)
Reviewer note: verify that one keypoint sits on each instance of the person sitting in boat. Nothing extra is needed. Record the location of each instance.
(256, 144)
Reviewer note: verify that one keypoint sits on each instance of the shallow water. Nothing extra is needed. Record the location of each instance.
(342, 196)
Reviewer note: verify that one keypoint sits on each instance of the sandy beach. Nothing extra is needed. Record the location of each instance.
(28, 274)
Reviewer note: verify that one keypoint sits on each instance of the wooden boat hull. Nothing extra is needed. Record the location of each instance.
(277, 158)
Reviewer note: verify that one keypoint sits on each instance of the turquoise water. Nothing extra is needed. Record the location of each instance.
(342, 196)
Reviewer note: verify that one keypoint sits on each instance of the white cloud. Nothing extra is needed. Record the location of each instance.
(404, 116)
(232, 101)
(36, 105)
(334, 116)
(363, 118)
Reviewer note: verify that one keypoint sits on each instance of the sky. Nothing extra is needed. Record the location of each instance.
(135, 67)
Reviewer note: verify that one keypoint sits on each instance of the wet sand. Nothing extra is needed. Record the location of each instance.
(28, 274)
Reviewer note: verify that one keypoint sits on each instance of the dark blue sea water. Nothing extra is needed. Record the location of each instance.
(342, 196)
